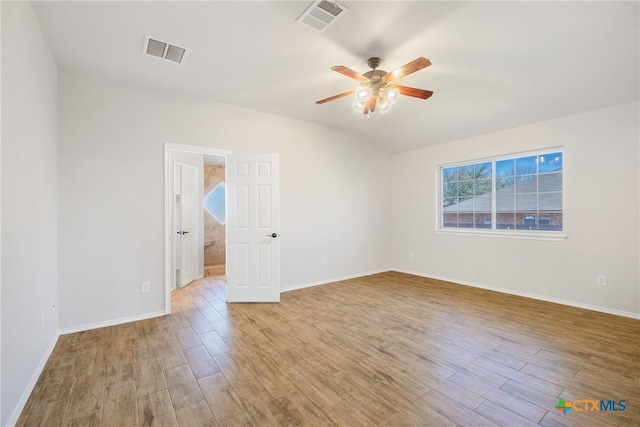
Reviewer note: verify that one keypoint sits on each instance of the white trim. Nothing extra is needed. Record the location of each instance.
(167, 230)
(13, 419)
(506, 156)
(576, 304)
(199, 149)
(106, 323)
(504, 234)
(335, 279)
(169, 147)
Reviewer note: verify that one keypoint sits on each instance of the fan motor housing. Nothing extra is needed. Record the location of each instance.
(375, 73)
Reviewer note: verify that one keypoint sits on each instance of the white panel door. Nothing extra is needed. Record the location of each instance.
(189, 223)
(253, 228)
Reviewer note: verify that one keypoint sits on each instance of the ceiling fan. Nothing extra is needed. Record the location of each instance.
(377, 88)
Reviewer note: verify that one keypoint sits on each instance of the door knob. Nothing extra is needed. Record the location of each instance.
(182, 232)
(274, 235)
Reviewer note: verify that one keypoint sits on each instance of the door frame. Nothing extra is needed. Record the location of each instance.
(169, 270)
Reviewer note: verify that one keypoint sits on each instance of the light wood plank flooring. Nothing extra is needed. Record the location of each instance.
(389, 349)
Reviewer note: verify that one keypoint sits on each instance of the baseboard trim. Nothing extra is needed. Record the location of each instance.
(335, 279)
(569, 303)
(96, 325)
(13, 419)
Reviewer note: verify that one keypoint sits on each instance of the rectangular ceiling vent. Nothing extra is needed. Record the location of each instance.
(322, 14)
(164, 50)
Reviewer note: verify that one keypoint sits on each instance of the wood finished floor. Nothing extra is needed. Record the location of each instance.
(389, 350)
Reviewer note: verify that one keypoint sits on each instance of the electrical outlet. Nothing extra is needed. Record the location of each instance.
(145, 287)
(324, 262)
(601, 280)
(410, 254)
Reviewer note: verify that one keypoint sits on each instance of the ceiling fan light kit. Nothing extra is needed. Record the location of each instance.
(377, 88)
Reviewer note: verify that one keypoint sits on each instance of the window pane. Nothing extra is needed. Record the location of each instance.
(482, 220)
(465, 220)
(449, 202)
(550, 162)
(465, 172)
(527, 203)
(483, 170)
(526, 165)
(450, 219)
(505, 185)
(526, 221)
(505, 221)
(505, 167)
(465, 190)
(483, 186)
(550, 182)
(482, 203)
(527, 184)
(551, 221)
(450, 189)
(550, 202)
(449, 174)
(504, 204)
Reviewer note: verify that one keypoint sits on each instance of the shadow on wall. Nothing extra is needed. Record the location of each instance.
(214, 220)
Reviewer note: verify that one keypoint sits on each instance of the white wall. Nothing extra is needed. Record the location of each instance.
(29, 204)
(335, 193)
(601, 185)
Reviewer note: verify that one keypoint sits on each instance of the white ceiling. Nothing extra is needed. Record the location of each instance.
(496, 65)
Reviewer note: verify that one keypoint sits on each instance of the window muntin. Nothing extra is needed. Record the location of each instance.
(513, 193)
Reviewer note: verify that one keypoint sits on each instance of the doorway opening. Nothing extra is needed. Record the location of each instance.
(214, 214)
(185, 231)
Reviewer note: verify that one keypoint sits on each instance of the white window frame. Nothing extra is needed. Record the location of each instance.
(557, 236)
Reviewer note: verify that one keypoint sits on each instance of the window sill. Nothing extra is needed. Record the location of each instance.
(547, 236)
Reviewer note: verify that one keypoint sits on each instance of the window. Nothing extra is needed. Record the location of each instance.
(504, 193)
(214, 203)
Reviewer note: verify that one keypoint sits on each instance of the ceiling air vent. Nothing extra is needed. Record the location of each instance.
(322, 14)
(164, 50)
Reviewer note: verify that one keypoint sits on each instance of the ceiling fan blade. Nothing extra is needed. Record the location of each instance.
(412, 91)
(405, 70)
(350, 73)
(338, 96)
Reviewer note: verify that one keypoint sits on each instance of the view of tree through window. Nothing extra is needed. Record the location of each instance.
(468, 187)
(517, 193)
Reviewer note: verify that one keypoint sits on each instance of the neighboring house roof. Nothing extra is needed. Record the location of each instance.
(526, 202)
